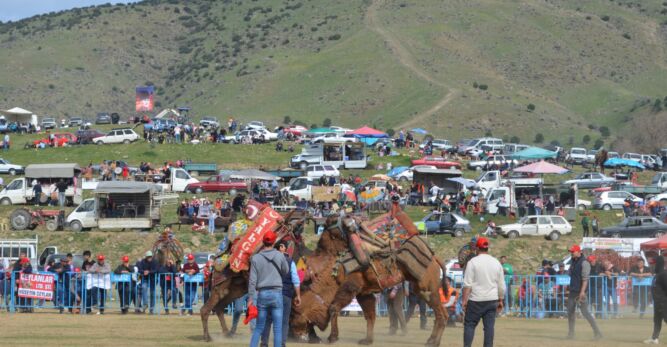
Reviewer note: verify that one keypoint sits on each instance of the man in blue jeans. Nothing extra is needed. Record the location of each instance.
(483, 293)
(148, 270)
(267, 269)
(190, 287)
(291, 287)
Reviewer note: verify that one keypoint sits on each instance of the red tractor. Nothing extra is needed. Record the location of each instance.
(24, 219)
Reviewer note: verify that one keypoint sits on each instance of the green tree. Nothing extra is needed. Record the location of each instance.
(326, 123)
(391, 132)
(531, 107)
(604, 131)
(287, 120)
(515, 139)
(488, 133)
(586, 139)
(539, 138)
(598, 143)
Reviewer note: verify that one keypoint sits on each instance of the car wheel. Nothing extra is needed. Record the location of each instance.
(606, 207)
(303, 165)
(199, 190)
(99, 143)
(20, 219)
(616, 235)
(458, 233)
(581, 207)
(76, 226)
(513, 234)
(127, 142)
(403, 179)
(51, 225)
(5, 202)
(554, 236)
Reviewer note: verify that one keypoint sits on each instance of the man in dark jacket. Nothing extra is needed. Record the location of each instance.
(580, 270)
(659, 288)
(190, 268)
(63, 295)
(61, 186)
(148, 269)
(124, 290)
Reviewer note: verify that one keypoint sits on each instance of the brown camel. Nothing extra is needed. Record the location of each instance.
(331, 290)
(234, 285)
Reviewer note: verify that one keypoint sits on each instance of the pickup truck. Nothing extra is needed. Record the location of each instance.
(305, 188)
(577, 155)
(216, 184)
(492, 179)
(198, 168)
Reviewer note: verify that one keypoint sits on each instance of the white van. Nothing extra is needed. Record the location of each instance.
(486, 142)
(346, 154)
(511, 148)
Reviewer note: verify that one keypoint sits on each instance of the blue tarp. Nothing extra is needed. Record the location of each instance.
(397, 170)
(419, 131)
(613, 162)
(534, 153)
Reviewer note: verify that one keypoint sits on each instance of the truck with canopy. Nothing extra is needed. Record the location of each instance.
(20, 190)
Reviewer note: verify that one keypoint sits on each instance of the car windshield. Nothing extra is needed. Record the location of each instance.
(578, 151)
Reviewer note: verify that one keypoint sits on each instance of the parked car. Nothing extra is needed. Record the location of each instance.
(254, 125)
(217, 184)
(463, 145)
(611, 155)
(317, 171)
(75, 121)
(406, 175)
(551, 227)
(645, 226)
(438, 144)
(577, 155)
(268, 136)
(632, 156)
(117, 136)
(339, 130)
(87, 136)
(209, 122)
(590, 180)
(103, 118)
(8, 168)
(613, 200)
(331, 137)
(491, 143)
(498, 160)
(511, 148)
(444, 223)
(48, 123)
(162, 124)
(438, 162)
(296, 130)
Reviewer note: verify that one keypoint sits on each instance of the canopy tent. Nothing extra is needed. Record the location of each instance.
(397, 170)
(542, 167)
(253, 174)
(614, 162)
(65, 170)
(657, 244)
(320, 131)
(468, 183)
(532, 153)
(20, 115)
(125, 187)
(366, 131)
(168, 113)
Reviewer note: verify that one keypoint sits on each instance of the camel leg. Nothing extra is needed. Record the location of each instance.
(343, 297)
(312, 335)
(367, 303)
(220, 311)
(205, 311)
(440, 318)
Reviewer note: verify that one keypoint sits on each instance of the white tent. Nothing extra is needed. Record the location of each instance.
(169, 113)
(20, 115)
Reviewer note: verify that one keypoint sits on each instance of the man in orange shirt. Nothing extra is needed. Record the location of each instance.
(449, 301)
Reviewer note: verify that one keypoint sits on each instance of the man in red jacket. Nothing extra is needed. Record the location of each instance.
(189, 269)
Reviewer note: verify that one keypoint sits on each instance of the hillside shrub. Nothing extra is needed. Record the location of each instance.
(515, 139)
(555, 143)
(598, 143)
(531, 107)
(391, 132)
(539, 138)
(627, 36)
(287, 120)
(605, 18)
(604, 131)
(586, 139)
(483, 87)
(334, 37)
(326, 122)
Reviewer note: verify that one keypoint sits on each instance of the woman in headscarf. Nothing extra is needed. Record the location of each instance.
(659, 288)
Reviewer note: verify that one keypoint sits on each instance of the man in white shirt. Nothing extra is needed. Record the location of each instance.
(483, 293)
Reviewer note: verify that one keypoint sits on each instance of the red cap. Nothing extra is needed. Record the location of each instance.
(24, 261)
(591, 259)
(270, 237)
(125, 259)
(252, 314)
(76, 269)
(575, 248)
(100, 257)
(482, 242)
(191, 257)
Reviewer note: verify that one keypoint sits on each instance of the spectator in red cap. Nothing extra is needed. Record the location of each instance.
(580, 270)
(99, 281)
(267, 269)
(190, 268)
(123, 283)
(483, 293)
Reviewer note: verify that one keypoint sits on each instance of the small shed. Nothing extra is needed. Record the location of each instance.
(126, 204)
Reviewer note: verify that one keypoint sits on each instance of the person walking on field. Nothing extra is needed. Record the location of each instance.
(584, 224)
(580, 270)
(659, 289)
(267, 269)
(483, 293)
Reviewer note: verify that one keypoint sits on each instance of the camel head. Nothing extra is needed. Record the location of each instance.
(334, 239)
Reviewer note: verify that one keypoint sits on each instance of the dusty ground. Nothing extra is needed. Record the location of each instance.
(138, 330)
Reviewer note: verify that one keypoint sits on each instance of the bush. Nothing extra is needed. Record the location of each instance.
(555, 143)
(334, 37)
(586, 139)
(605, 18)
(531, 107)
(598, 143)
(390, 132)
(539, 138)
(488, 133)
(515, 139)
(604, 131)
(313, 126)
(287, 120)
(475, 85)
(627, 36)
(483, 87)
(327, 123)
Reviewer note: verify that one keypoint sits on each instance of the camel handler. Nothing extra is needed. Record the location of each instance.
(483, 293)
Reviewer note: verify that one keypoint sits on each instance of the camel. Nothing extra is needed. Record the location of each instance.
(331, 289)
(234, 285)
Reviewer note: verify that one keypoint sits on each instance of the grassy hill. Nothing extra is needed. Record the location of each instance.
(459, 68)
